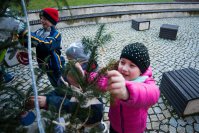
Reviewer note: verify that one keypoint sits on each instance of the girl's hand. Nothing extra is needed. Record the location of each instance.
(116, 85)
(42, 101)
(70, 76)
(79, 67)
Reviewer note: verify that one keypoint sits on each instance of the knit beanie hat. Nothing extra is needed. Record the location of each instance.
(51, 14)
(138, 54)
(76, 52)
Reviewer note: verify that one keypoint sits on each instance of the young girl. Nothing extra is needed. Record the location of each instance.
(133, 90)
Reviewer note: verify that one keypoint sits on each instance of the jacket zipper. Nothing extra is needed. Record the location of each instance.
(122, 118)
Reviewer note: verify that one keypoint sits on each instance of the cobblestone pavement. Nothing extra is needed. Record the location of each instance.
(165, 55)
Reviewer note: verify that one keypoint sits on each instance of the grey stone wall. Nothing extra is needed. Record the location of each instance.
(187, 0)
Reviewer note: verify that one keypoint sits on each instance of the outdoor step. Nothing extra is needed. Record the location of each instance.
(93, 14)
(180, 87)
(121, 7)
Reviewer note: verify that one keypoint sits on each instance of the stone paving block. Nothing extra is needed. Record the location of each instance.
(180, 129)
(189, 129)
(196, 127)
(196, 118)
(172, 129)
(189, 120)
(148, 125)
(166, 113)
(160, 117)
(164, 128)
(150, 111)
(165, 121)
(173, 122)
(162, 106)
(157, 110)
(106, 109)
(181, 122)
(153, 118)
(106, 118)
(155, 125)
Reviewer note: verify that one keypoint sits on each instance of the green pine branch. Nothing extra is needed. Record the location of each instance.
(13, 99)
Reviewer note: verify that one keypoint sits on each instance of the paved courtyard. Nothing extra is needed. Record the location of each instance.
(165, 55)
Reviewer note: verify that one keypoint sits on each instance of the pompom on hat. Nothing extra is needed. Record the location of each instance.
(138, 54)
(51, 14)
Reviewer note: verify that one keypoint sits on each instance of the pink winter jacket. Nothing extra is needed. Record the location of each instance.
(130, 116)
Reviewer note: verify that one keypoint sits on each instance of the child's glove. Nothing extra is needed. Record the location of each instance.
(21, 28)
(59, 128)
(27, 118)
(22, 32)
(22, 57)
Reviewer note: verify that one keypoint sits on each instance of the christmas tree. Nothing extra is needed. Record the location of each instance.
(13, 99)
(85, 92)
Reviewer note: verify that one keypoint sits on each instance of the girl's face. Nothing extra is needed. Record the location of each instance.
(128, 69)
(45, 22)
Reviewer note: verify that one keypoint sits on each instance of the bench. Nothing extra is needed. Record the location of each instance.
(168, 31)
(140, 24)
(181, 89)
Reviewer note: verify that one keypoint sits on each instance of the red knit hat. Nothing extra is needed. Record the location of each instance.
(51, 14)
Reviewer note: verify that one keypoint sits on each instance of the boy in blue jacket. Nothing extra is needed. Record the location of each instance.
(47, 41)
